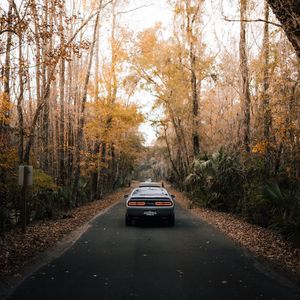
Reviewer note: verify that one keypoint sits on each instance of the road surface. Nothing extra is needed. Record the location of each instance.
(190, 261)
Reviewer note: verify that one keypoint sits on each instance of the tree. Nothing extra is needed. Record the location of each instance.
(189, 15)
(245, 93)
(267, 117)
(288, 13)
(192, 11)
(79, 146)
(6, 91)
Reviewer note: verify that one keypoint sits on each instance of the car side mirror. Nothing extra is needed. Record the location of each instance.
(173, 196)
(126, 196)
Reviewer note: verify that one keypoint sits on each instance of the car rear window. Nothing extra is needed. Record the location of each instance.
(149, 184)
(152, 192)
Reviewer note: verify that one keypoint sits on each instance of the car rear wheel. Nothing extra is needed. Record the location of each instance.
(172, 220)
(127, 220)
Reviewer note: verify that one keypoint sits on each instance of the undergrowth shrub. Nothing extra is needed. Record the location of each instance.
(236, 183)
(217, 182)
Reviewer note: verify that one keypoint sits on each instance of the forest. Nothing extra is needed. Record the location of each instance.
(218, 82)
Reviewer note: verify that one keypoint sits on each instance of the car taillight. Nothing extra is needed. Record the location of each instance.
(136, 203)
(163, 203)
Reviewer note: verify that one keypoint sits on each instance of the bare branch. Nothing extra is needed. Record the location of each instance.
(195, 14)
(8, 30)
(19, 20)
(134, 9)
(252, 21)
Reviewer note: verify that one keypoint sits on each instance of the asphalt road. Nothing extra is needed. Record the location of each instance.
(189, 261)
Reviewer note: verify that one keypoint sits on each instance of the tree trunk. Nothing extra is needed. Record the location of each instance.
(94, 176)
(245, 95)
(96, 147)
(62, 171)
(195, 96)
(267, 118)
(195, 100)
(82, 116)
(38, 49)
(19, 104)
(70, 123)
(5, 123)
(170, 156)
(288, 13)
(101, 172)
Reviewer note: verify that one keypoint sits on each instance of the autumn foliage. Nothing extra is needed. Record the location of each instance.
(64, 109)
(247, 118)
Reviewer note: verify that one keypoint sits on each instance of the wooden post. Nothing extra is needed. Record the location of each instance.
(24, 188)
(25, 179)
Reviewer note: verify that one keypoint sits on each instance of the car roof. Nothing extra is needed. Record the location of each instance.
(149, 184)
(149, 192)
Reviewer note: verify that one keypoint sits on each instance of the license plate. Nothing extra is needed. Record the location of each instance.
(150, 213)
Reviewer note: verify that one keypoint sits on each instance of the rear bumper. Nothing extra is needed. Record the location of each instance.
(149, 212)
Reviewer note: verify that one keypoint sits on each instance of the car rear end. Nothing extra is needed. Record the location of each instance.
(150, 207)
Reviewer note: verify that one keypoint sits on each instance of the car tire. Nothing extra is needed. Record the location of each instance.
(127, 220)
(171, 220)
